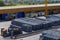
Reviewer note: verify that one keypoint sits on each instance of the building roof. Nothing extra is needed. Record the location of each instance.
(27, 6)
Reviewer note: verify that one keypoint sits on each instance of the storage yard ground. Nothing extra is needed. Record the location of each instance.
(7, 24)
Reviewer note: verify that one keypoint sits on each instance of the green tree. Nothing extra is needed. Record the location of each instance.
(12, 4)
(2, 3)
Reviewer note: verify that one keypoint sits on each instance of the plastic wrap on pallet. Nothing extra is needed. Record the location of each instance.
(47, 23)
(10, 31)
(23, 24)
(57, 15)
(54, 19)
(14, 26)
(51, 35)
(37, 23)
(27, 28)
(51, 20)
(18, 22)
(34, 23)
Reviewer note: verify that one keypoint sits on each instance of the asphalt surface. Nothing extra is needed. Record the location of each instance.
(25, 37)
(31, 36)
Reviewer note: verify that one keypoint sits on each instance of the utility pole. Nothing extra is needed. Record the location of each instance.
(46, 7)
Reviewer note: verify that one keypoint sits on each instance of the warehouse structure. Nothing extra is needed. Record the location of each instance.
(27, 11)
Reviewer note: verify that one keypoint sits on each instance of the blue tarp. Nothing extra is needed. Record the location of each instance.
(20, 14)
(3, 16)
